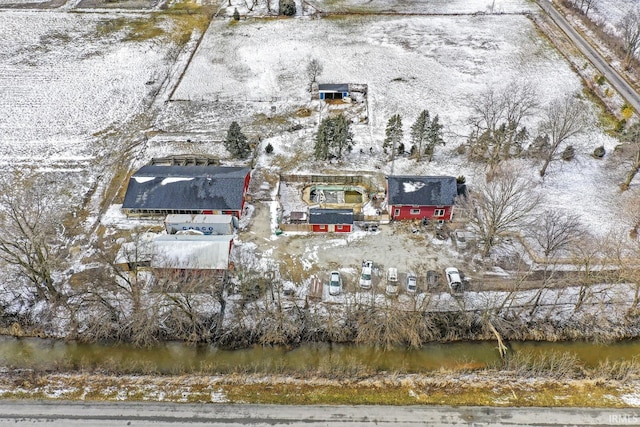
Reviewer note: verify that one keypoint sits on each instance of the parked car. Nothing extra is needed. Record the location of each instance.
(453, 279)
(392, 281)
(365, 276)
(412, 283)
(335, 283)
(432, 279)
(461, 239)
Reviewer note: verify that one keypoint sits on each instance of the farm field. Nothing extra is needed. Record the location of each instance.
(88, 104)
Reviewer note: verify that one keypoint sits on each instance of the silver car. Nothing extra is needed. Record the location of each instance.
(412, 283)
(335, 283)
(365, 276)
(392, 281)
(453, 279)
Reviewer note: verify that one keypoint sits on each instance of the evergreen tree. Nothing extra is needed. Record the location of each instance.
(236, 142)
(433, 136)
(333, 138)
(287, 7)
(393, 134)
(268, 149)
(419, 133)
(236, 14)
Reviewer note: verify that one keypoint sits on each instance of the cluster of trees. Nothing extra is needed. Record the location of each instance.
(426, 134)
(498, 133)
(333, 138)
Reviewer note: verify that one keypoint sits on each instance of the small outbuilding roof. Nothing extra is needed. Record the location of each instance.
(187, 252)
(333, 87)
(157, 187)
(422, 190)
(330, 216)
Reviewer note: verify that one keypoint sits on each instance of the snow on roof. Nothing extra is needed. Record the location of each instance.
(186, 188)
(199, 219)
(422, 190)
(192, 252)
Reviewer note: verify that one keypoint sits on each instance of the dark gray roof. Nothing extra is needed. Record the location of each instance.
(330, 87)
(156, 187)
(422, 190)
(330, 216)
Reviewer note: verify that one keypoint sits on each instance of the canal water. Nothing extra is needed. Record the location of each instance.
(36, 353)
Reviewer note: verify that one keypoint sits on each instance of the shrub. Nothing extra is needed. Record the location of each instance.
(287, 7)
(568, 153)
(236, 14)
(599, 152)
(268, 149)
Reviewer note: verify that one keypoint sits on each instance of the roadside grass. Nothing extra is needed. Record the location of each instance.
(456, 390)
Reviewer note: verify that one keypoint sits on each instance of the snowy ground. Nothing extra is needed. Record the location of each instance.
(64, 81)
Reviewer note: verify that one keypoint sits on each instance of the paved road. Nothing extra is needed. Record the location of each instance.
(69, 414)
(623, 88)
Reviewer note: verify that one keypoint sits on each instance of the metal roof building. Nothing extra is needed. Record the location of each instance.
(174, 189)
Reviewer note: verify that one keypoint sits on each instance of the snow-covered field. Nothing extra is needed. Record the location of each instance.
(410, 63)
(63, 80)
(430, 6)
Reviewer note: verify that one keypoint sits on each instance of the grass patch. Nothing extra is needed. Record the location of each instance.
(176, 23)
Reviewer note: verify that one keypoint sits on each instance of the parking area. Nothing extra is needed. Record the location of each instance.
(395, 245)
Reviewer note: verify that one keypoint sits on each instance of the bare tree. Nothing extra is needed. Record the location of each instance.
(498, 114)
(585, 5)
(588, 255)
(195, 304)
(501, 206)
(119, 303)
(313, 71)
(634, 215)
(632, 135)
(32, 237)
(556, 233)
(629, 29)
(564, 118)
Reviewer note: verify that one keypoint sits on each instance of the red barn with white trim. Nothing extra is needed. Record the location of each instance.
(331, 220)
(418, 197)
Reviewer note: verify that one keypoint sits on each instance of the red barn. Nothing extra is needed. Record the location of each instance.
(331, 220)
(418, 197)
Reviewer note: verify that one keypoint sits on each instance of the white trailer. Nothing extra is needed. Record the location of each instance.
(206, 224)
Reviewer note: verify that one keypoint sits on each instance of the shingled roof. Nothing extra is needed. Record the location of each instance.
(333, 87)
(422, 190)
(157, 187)
(330, 216)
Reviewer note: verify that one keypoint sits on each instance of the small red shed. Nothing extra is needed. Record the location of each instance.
(418, 197)
(331, 220)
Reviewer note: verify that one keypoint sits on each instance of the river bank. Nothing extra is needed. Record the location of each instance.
(487, 388)
(465, 373)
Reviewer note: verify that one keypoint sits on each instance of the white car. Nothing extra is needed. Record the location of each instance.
(365, 276)
(392, 281)
(412, 283)
(453, 279)
(335, 283)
